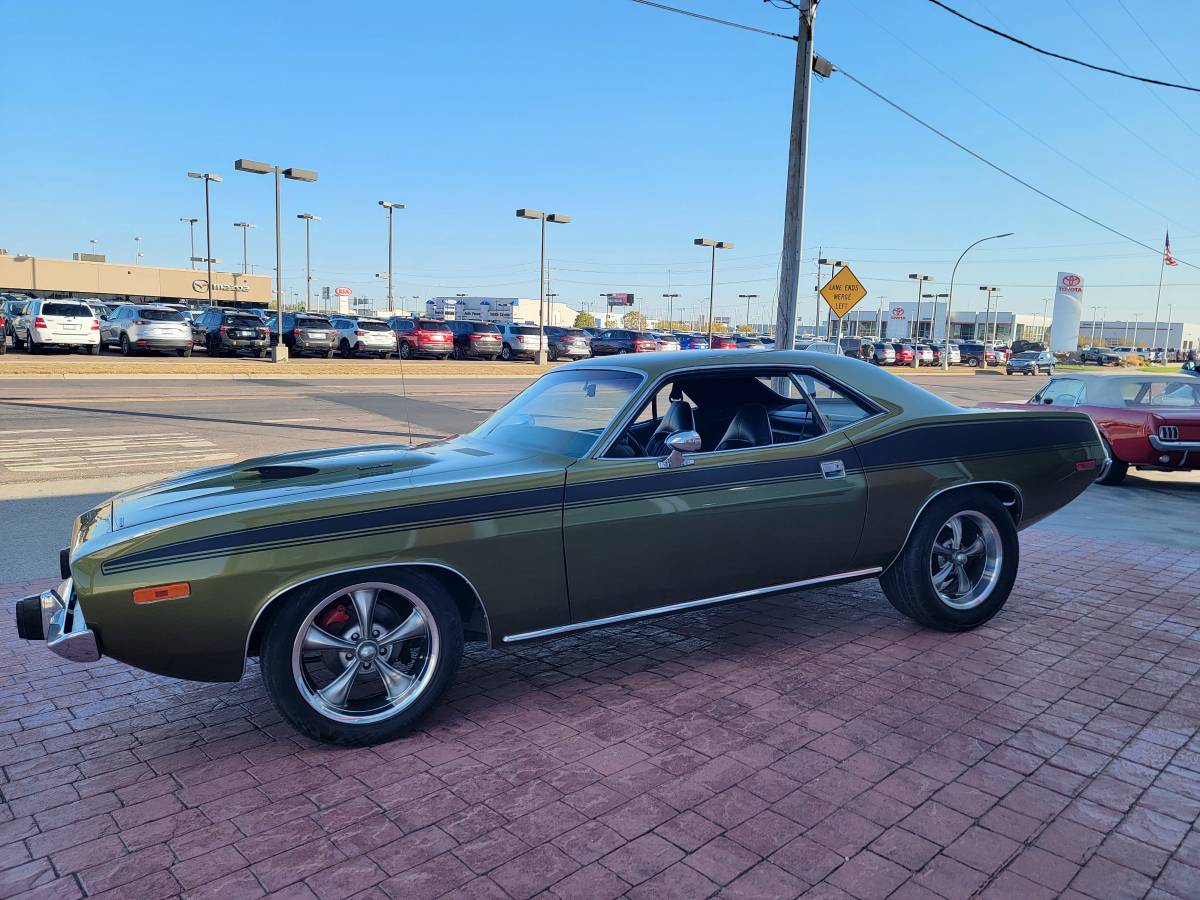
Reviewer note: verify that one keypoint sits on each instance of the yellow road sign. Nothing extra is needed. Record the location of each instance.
(843, 291)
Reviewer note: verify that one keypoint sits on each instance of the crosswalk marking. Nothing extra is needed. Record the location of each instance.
(78, 454)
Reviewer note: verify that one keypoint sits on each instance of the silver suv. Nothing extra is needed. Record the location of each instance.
(364, 337)
(56, 323)
(138, 328)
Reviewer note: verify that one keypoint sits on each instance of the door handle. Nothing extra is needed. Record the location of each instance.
(833, 468)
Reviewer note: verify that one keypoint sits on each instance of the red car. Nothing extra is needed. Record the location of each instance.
(904, 354)
(724, 342)
(1147, 421)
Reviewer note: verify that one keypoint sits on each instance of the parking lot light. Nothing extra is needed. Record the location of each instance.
(950, 299)
(208, 179)
(279, 349)
(191, 222)
(390, 206)
(308, 218)
(917, 325)
(558, 219)
(712, 277)
(245, 226)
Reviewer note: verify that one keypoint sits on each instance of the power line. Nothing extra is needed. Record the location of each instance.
(1079, 62)
(714, 20)
(1153, 43)
(987, 162)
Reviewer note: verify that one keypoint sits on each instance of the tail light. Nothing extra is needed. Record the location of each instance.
(222, 329)
(139, 321)
(477, 337)
(95, 324)
(296, 332)
(39, 322)
(358, 333)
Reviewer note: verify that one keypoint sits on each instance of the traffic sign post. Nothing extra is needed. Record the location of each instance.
(842, 293)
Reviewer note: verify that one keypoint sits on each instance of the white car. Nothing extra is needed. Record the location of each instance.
(57, 323)
(519, 341)
(665, 341)
(819, 347)
(138, 328)
(364, 337)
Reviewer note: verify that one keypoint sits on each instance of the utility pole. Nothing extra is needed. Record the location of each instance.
(747, 298)
(1095, 309)
(918, 278)
(670, 298)
(793, 217)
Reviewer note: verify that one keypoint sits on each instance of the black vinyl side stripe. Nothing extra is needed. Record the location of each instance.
(392, 517)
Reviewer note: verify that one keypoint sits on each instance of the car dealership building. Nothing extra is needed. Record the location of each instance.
(95, 278)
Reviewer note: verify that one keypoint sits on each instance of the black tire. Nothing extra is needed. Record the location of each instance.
(345, 351)
(1116, 470)
(909, 582)
(31, 346)
(553, 354)
(293, 614)
(491, 358)
(126, 348)
(506, 353)
(17, 343)
(973, 362)
(404, 350)
(93, 350)
(264, 354)
(329, 354)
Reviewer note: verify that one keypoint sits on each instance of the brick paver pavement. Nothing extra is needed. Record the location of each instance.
(816, 745)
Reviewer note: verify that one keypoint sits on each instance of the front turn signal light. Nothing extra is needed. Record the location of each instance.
(176, 591)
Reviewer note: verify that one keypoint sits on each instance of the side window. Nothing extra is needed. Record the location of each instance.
(838, 409)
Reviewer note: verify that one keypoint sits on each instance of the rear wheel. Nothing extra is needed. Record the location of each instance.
(506, 353)
(973, 362)
(31, 345)
(18, 344)
(345, 351)
(93, 350)
(959, 564)
(184, 351)
(126, 349)
(1115, 470)
(329, 354)
(350, 660)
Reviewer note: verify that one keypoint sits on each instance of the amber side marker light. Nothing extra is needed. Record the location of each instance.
(176, 591)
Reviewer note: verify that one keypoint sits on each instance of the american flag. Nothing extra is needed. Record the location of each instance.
(1168, 259)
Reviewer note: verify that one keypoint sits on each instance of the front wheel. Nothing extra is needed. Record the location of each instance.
(959, 564)
(353, 661)
(506, 353)
(973, 362)
(405, 351)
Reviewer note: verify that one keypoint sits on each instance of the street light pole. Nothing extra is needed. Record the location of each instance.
(137, 250)
(208, 178)
(987, 317)
(917, 325)
(192, 232)
(950, 299)
(544, 217)
(833, 265)
(712, 283)
(279, 350)
(308, 218)
(748, 298)
(390, 206)
(245, 226)
(670, 298)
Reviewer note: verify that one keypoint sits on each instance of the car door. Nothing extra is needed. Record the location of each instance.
(107, 325)
(731, 521)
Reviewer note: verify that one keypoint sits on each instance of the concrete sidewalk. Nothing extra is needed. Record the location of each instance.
(810, 745)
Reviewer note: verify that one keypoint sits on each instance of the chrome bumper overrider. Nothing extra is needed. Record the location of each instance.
(64, 627)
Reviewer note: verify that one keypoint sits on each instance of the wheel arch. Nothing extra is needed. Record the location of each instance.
(468, 599)
(1006, 492)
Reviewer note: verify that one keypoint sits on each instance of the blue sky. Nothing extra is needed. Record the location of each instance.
(648, 128)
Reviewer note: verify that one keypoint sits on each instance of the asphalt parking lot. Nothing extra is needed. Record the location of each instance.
(815, 744)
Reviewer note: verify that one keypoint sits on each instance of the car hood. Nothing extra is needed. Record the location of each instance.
(313, 475)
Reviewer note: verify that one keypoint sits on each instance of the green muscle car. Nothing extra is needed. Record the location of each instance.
(355, 575)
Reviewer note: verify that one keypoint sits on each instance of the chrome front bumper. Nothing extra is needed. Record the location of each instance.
(1159, 444)
(56, 616)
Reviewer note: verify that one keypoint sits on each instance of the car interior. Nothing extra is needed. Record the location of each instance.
(737, 411)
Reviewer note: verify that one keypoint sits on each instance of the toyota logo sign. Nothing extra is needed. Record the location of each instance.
(1070, 280)
(897, 312)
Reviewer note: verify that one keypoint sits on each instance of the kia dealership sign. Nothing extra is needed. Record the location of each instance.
(343, 292)
(1068, 312)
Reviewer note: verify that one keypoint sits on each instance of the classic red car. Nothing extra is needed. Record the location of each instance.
(1147, 421)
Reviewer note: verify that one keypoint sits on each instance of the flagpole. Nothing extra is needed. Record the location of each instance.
(1154, 341)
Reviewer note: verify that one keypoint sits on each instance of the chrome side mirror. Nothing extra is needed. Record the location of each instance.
(679, 443)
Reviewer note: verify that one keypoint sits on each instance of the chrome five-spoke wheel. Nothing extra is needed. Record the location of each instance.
(365, 652)
(359, 659)
(966, 559)
(960, 561)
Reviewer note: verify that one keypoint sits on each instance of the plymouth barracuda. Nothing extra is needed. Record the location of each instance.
(355, 575)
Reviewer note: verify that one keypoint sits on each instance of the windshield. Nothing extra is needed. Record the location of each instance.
(1028, 355)
(562, 412)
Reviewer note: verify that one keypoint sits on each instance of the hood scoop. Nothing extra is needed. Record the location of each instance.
(279, 473)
